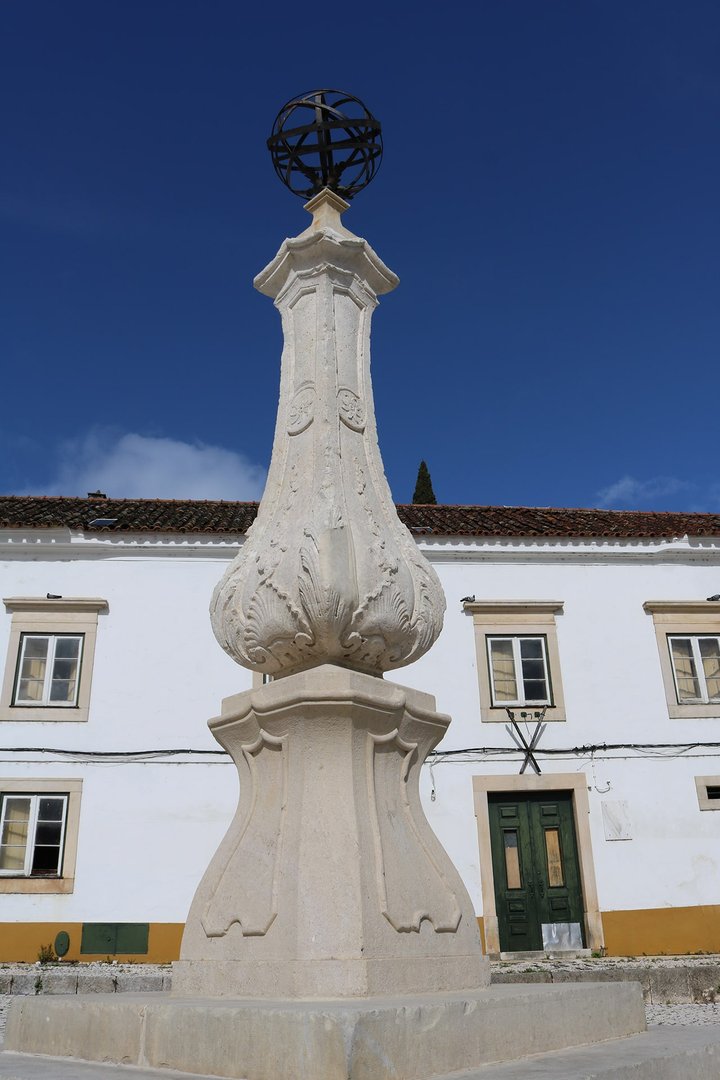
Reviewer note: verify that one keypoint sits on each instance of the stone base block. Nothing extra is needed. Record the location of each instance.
(402, 1038)
(351, 978)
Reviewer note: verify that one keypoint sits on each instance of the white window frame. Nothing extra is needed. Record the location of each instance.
(516, 640)
(45, 702)
(694, 639)
(70, 788)
(62, 617)
(683, 618)
(517, 618)
(35, 798)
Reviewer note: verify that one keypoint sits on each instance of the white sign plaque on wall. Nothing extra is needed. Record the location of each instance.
(616, 820)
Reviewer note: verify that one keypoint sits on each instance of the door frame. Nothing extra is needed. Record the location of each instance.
(576, 785)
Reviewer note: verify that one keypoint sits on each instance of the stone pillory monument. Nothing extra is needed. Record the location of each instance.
(331, 937)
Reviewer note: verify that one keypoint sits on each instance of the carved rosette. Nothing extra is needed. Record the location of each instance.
(327, 573)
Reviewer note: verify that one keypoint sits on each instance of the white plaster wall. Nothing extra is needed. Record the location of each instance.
(148, 829)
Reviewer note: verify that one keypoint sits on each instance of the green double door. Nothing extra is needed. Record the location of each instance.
(535, 864)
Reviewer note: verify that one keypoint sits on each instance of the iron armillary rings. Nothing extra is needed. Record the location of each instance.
(325, 139)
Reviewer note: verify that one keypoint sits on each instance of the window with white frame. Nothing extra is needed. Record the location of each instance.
(48, 670)
(49, 663)
(518, 670)
(32, 834)
(518, 657)
(39, 830)
(688, 639)
(696, 668)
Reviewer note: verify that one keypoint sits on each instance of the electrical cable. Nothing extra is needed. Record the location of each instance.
(651, 749)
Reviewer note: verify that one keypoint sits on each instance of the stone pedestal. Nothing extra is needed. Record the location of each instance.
(330, 882)
(419, 1037)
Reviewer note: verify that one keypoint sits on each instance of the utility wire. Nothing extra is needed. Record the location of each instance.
(652, 749)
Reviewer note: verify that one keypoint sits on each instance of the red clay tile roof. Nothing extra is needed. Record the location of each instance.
(194, 516)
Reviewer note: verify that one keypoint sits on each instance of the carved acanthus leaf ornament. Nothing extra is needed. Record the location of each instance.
(327, 573)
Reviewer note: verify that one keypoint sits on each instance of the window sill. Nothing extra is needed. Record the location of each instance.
(696, 712)
(36, 885)
(22, 714)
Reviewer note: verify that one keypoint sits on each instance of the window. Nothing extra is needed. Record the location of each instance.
(48, 671)
(517, 656)
(50, 658)
(32, 834)
(688, 640)
(518, 671)
(708, 792)
(39, 822)
(696, 667)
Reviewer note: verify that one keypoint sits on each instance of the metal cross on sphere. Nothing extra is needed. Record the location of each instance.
(325, 139)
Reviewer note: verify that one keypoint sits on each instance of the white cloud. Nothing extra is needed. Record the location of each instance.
(143, 467)
(656, 493)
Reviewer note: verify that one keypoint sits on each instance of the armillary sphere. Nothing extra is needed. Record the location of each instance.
(325, 139)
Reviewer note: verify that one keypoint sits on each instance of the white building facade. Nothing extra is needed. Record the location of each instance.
(592, 628)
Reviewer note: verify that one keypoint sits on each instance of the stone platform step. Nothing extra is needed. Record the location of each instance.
(420, 1037)
(676, 1053)
(27, 1067)
(661, 1053)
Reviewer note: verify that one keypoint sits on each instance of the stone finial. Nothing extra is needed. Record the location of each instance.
(327, 573)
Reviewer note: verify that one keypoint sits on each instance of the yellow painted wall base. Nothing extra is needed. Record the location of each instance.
(657, 931)
(21, 942)
(662, 930)
(647, 932)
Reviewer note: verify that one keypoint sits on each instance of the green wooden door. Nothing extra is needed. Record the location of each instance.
(535, 865)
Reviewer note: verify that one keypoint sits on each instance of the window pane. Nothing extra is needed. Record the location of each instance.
(503, 670)
(12, 858)
(533, 669)
(688, 687)
(13, 842)
(530, 648)
(32, 670)
(67, 648)
(14, 833)
(535, 691)
(710, 654)
(17, 808)
(35, 646)
(64, 669)
(46, 860)
(30, 690)
(554, 858)
(51, 809)
(63, 690)
(512, 859)
(49, 832)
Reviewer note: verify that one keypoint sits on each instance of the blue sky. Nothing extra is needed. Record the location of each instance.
(548, 197)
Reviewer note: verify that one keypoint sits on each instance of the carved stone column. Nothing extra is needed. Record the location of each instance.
(327, 574)
(330, 882)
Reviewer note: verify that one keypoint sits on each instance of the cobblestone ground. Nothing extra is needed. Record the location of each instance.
(683, 1014)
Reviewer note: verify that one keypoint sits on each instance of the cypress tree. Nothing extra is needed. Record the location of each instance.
(423, 486)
